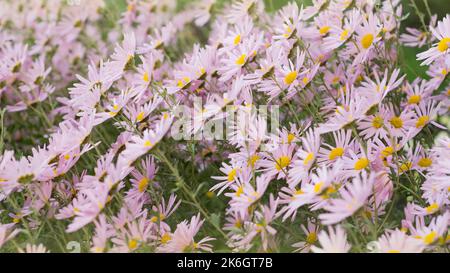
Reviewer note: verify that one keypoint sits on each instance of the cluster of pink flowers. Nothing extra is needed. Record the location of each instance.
(360, 150)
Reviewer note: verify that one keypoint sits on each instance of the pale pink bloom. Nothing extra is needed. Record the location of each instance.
(235, 61)
(142, 181)
(247, 127)
(29, 248)
(231, 173)
(359, 159)
(103, 232)
(426, 112)
(331, 153)
(367, 38)
(435, 205)
(238, 34)
(352, 109)
(305, 157)
(311, 232)
(160, 38)
(316, 190)
(335, 241)
(431, 233)
(399, 124)
(245, 194)
(294, 199)
(417, 92)
(162, 211)
(353, 197)
(135, 234)
(277, 163)
(90, 203)
(7, 232)
(138, 146)
(182, 239)
(123, 57)
(381, 87)
(261, 225)
(442, 34)
(203, 12)
(438, 71)
(267, 65)
(290, 22)
(416, 38)
(243, 8)
(86, 93)
(339, 35)
(145, 74)
(139, 113)
(398, 242)
(313, 10)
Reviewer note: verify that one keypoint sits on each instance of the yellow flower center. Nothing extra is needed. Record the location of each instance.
(145, 77)
(290, 77)
(132, 244)
(324, 30)
(241, 60)
(311, 238)
(414, 99)
(290, 138)
(305, 80)
(308, 158)
(239, 191)
(377, 122)
(237, 39)
(362, 163)
(140, 116)
(98, 249)
(183, 82)
(165, 238)
(425, 162)
(393, 251)
(397, 122)
(252, 160)
(406, 166)
(430, 238)
(336, 152)
(335, 80)
(148, 143)
(288, 32)
(422, 121)
(443, 44)
(432, 208)
(318, 187)
(389, 150)
(367, 40)
(344, 34)
(282, 162)
(231, 175)
(142, 185)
